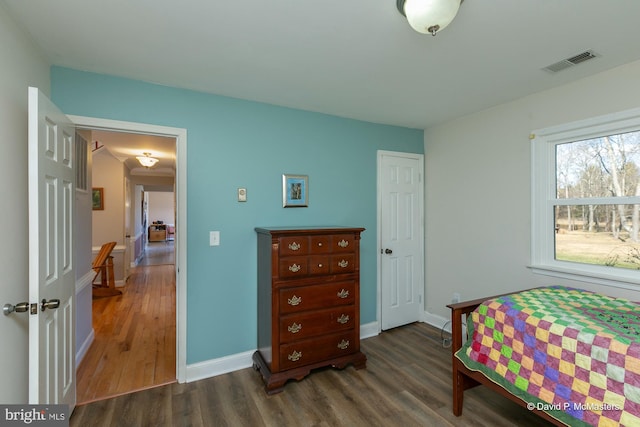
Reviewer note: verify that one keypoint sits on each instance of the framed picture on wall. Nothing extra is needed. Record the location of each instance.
(295, 191)
(97, 198)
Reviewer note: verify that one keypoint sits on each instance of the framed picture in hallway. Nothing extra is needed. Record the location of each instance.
(97, 198)
(295, 191)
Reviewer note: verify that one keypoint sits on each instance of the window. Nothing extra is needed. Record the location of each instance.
(586, 200)
(81, 163)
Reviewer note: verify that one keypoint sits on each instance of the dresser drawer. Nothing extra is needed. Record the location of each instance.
(312, 297)
(344, 263)
(293, 245)
(319, 264)
(320, 244)
(343, 243)
(313, 350)
(321, 322)
(298, 266)
(293, 266)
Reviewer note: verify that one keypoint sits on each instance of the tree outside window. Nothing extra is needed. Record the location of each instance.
(586, 197)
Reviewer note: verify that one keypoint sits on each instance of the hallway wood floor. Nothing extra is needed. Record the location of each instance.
(135, 344)
(407, 382)
(159, 253)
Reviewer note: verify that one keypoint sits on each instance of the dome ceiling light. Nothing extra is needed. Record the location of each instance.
(429, 16)
(146, 160)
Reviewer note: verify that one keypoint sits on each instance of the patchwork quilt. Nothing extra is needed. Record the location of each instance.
(571, 353)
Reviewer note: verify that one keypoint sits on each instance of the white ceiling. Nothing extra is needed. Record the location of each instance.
(127, 146)
(351, 58)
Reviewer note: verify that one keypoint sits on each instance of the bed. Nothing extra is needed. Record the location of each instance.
(570, 355)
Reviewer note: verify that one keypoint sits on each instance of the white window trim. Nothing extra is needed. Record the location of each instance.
(543, 198)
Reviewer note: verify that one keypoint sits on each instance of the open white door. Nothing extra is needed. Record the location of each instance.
(401, 262)
(52, 370)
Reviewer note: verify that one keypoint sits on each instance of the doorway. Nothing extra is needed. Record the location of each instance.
(134, 346)
(167, 274)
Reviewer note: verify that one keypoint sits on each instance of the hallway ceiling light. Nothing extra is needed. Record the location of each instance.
(429, 16)
(147, 161)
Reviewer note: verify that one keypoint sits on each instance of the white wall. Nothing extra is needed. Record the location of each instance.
(108, 224)
(22, 65)
(162, 207)
(478, 207)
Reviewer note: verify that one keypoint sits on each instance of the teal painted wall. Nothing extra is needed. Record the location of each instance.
(235, 143)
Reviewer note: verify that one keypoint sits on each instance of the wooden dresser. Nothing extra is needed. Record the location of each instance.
(308, 302)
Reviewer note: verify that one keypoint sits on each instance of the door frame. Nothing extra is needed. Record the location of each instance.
(379, 246)
(180, 134)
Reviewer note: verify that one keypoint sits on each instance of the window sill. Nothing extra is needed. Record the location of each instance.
(629, 281)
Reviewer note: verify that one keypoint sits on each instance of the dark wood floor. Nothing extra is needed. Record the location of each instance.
(407, 382)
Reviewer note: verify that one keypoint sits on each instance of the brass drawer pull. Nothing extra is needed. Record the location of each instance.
(294, 268)
(342, 345)
(343, 294)
(295, 328)
(295, 246)
(343, 243)
(294, 300)
(296, 355)
(344, 318)
(319, 243)
(320, 265)
(343, 264)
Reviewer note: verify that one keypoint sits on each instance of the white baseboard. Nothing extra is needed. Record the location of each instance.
(222, 365)
(84, 281)
(82, 351)
(369, 330)
(235, 362)
(441, 323)
(436, 321)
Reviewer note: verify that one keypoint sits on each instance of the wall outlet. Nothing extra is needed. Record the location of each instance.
(455, 298)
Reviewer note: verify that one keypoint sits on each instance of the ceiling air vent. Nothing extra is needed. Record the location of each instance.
(570, 62)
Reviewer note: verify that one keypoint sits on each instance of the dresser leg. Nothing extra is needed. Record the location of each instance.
(360, 361)
(274, 382)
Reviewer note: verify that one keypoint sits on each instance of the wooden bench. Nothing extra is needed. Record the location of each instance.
(103, 266)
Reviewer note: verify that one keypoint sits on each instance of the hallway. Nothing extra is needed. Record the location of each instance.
(135, 333)
(159, 253)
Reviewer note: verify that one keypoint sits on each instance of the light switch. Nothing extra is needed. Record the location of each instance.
(214, 238)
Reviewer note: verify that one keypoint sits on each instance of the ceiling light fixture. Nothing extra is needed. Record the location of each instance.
(429, 16)
(147, 161)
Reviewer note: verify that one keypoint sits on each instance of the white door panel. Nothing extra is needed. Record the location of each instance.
(401, 238)
(51, 269)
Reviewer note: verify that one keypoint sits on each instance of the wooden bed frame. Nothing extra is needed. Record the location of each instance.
(463, 378)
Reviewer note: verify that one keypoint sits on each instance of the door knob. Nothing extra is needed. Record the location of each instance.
(388, 251)
(52, 303)
(20, 307)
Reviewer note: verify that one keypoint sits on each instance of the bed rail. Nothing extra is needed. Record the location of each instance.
(462, 377)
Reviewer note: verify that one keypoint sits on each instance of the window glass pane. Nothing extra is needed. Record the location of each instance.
(81, 162)
(604, 235)
(607, 166)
